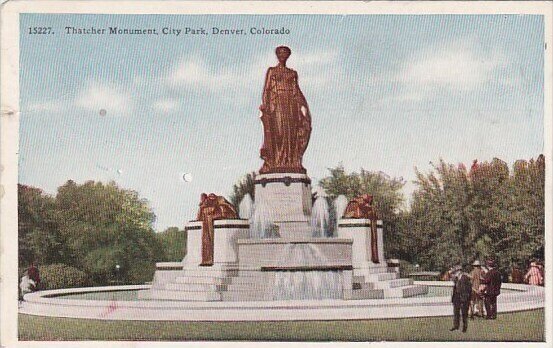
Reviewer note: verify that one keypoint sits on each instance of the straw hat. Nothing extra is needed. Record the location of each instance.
(456, 268)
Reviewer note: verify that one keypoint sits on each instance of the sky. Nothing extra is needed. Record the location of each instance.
(386, 93)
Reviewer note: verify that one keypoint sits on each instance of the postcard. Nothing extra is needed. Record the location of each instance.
(337, 173)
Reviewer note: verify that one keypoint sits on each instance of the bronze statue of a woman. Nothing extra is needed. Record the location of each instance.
(285, 117)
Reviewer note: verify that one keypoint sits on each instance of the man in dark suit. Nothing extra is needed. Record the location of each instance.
(462, 290)
(492, 280)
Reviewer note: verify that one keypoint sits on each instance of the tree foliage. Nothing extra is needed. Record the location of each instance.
(39, 237)
(173, 243)
(459, 215)
(59, 276)
(387, 193)
(246, 185)
(92, 227)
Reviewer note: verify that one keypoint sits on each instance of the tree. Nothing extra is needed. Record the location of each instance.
(386, 191)
(439, 222)
(246, 185)
(38, 234)
(105, 226)
(173, 243)
(487, 212)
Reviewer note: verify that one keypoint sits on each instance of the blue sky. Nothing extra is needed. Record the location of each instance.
(386, 93)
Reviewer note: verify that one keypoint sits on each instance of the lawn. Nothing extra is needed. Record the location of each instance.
(519, 326)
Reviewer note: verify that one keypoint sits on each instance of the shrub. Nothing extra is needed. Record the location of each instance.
(406, 268)
(140, 272)
(59, 276)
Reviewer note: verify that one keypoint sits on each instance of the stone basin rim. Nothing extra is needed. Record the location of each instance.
(314, 240)
(306, 268)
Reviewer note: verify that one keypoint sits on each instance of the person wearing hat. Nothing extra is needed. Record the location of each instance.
(534, 277)
(460, 297)
(492, 279)
(476, 297)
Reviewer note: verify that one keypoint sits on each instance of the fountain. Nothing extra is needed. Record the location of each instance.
(340, 204)
(282, 247)
(306, 284)
(246, 207)
(274, 251)
(320, 218)
(262, 221)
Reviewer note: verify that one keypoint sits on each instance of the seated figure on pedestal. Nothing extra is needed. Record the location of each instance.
(212, 207)
(362, 208)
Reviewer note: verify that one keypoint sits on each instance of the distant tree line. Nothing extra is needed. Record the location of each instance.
(81, 234)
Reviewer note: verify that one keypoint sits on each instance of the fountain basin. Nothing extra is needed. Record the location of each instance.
(53, 303)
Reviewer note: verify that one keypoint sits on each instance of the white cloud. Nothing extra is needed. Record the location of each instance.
(97, 96)
(455, 66)
(193, 72)
(166, 105)
(314, 70)
(47, 106)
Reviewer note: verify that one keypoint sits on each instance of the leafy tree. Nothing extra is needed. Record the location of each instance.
(38, 232)
(386, 191)
(105, 226)
(244, 186)
(458, 215)
(173, 242)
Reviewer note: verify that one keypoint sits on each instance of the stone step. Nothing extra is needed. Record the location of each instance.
(415, 290)
(194, 287)
(249, 274)
(362, 294)
(379, 269)
(183, 295)
(367, 286)
(405, 291)
(250, 295)
(206, 272)
(246, 287)
(394, 283)
(381, 276)
(247, 280)
(202, 280)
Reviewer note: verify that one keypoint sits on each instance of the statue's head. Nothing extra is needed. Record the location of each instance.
(282, 53)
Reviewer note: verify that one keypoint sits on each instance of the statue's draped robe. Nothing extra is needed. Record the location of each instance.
(361, 208)
(286, 126)
(212, 208)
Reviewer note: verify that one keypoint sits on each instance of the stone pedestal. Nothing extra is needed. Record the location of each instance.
(288, 196)
(225, 255)
(359, 230)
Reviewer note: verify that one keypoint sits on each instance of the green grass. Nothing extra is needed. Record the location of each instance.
(519, 326)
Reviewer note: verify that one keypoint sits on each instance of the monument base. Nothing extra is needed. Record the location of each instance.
(187, 280)
(287, 197)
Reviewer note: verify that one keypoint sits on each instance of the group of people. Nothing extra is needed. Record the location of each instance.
(474, 289)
